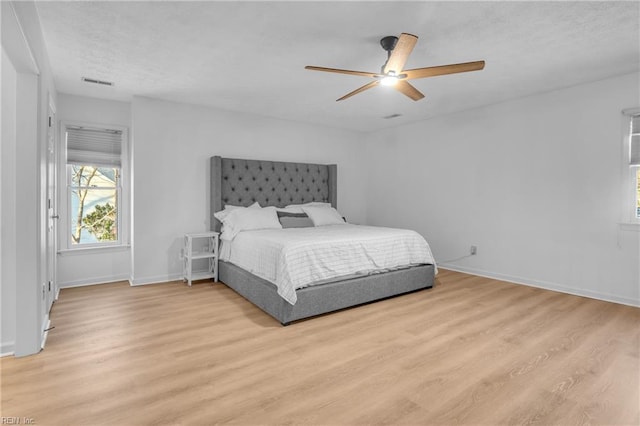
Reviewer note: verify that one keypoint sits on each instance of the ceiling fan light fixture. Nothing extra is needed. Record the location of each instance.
(389, 80)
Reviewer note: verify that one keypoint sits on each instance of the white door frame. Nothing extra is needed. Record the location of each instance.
(52, 206)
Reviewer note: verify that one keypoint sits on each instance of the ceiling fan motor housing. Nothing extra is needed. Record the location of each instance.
(388, 43)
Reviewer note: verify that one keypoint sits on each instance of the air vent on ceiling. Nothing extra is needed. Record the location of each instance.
(392, 116)
(95, 81)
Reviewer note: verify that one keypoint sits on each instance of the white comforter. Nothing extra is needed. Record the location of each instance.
(298, 257)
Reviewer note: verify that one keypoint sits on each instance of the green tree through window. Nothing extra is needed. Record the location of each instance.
(638, 192)
(94, 199)
(101, 222)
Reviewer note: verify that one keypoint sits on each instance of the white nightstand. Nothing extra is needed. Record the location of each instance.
(202, 245)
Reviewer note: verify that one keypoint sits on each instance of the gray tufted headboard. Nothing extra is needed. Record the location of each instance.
(271, 183)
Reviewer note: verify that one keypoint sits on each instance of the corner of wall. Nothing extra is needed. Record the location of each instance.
(7, 348)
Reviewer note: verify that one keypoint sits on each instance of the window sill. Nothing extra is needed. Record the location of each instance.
(630, 226)
(92, 250)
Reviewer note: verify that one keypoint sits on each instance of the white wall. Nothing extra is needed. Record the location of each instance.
(97, 265)
(7, 209)
(23, 43)
(172, 144)
(535, 183)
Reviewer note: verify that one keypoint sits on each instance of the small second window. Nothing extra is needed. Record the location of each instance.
(634, 163)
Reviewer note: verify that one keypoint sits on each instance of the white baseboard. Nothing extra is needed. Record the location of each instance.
(7, 348)
(158, 279)
(92, 281)
(543, 284)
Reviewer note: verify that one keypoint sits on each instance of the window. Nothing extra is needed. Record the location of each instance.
(632, 163)
(95, 161)
(637, 192)
(94, 193)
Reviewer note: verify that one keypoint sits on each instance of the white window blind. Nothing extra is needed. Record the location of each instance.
(634, 142)
(95, 147)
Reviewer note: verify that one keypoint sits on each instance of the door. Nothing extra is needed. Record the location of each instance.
(51, 290)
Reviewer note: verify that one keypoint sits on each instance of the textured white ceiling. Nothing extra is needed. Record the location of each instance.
(250, 56)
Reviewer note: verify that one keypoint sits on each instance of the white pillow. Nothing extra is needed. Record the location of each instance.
(249, 219)
(229, 208)
(297, 208)
(255, 205)
(323, 215)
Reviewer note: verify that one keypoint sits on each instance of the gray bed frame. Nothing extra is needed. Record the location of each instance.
(275, 183)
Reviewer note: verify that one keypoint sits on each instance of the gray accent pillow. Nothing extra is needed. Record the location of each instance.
(294, 220)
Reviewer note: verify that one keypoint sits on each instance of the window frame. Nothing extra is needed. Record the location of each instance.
(630, 173)
(123, 189)
(632, 196)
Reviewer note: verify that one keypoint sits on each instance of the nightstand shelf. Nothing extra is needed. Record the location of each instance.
(202, 255)
(200, 246)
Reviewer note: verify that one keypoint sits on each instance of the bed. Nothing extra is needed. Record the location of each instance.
(243, 182)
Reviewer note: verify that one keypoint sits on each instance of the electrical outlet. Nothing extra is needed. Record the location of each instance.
(473, 250)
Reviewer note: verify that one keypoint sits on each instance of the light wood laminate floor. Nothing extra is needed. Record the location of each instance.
(469, 351)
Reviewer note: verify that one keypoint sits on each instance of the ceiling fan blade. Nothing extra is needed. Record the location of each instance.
(359, 89)
(339, 71)
(443, 70)
(400, 53)
(406, 88)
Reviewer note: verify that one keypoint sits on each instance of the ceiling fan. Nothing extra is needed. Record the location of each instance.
(393, 74)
